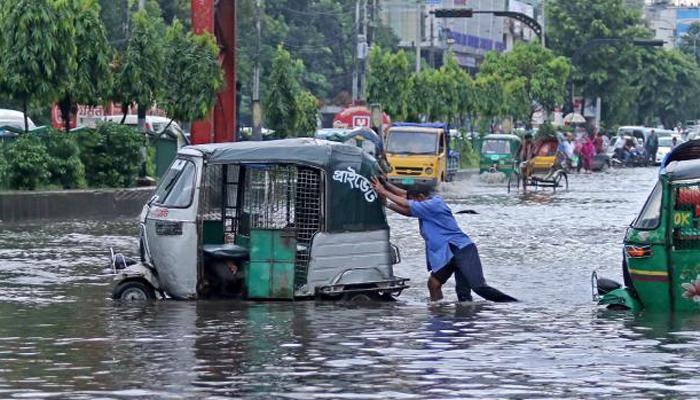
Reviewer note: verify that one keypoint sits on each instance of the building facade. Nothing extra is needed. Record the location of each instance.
(670, 20)
(469, 38)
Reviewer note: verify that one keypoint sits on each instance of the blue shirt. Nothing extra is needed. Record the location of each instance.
(439, 230)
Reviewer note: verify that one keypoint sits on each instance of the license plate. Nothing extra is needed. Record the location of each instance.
(407, 181)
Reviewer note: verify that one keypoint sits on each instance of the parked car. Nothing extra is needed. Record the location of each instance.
(665, 147)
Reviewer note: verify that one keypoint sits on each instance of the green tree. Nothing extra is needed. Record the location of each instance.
(140, 75)
(288, 107)
(490, 97)
(306, 120)
(389, 81)
(91, 81)
(535, 77)
(38, 50)
(669, 87)
(605, 70)
(190, 93)
(463, 95)
(690, 41)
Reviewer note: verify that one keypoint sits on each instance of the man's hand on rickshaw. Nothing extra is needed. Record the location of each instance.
(379, 187)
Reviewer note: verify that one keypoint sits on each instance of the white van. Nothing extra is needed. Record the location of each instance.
(14, 119)
(154, 124)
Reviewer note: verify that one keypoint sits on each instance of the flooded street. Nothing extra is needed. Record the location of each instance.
(61, 336)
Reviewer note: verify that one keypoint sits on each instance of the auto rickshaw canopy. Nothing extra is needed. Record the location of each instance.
(352, 203)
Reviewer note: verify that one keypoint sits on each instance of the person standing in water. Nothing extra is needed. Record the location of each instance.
(448, 249)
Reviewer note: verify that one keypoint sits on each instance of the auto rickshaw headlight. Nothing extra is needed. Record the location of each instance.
(429, 170)
(638, 251)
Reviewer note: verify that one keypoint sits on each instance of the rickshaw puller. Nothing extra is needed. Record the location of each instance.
(448, 249)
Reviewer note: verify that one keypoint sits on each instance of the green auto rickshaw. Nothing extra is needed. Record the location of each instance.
(498, 154)
(661, 265)
(275, 220)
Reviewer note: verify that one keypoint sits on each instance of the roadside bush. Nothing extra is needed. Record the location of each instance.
(469, 158)
(111, 154)
(27, 163)
(64, 164)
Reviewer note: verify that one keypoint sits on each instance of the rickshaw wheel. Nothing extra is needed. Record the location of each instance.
(133, 290)
(557, 181)
(511, 183)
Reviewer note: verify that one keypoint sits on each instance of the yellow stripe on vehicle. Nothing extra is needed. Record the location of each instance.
(649, 273)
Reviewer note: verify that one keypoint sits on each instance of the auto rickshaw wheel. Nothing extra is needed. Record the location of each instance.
(362, 297)
(133, 290)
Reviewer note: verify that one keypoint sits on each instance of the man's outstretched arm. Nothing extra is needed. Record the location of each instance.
(393, 197)
(405, 211)
(394, 189)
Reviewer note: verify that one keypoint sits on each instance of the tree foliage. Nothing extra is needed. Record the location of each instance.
(141, 68)
(389, 81)
(289, 109)
(690, 41)
(320, 33)
(533, 76)
(91, 82)
(193, 75)
(669, 88)
(38, 52)
(605, 70)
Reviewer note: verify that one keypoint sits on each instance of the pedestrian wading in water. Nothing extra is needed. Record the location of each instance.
(448, 249)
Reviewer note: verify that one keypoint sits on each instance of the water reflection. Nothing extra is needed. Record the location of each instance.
(61, 336)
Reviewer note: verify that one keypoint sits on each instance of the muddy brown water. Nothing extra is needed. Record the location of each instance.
(62, 337)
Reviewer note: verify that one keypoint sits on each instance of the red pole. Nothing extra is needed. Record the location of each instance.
(220, 126)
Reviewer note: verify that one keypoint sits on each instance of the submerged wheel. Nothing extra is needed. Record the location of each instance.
(135, 290)
(362, 297)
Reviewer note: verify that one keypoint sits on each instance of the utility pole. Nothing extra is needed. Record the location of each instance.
(419, 34)
(355, 56)
(142, 4)
(257, 107)
(544, 23)
(363, 52)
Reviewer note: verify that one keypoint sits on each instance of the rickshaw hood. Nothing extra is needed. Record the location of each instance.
(352, 203)
(302, 151)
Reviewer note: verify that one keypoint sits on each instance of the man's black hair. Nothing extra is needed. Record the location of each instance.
(420, 190)
(528, 136)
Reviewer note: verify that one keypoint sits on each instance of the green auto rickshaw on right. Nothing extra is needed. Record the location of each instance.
(661, 265)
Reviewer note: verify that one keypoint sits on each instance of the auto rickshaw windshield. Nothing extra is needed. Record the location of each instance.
(650, 217)
(495, 147)
(407, 142)
(177, 186)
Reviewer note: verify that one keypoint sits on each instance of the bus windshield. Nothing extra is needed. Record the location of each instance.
(407, 142)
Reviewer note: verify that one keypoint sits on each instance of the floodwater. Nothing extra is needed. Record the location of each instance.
(62, 337)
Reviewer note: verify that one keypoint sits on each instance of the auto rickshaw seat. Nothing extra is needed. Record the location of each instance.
(227, 251)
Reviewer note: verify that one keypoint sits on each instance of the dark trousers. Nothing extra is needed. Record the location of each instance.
(469, 275)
